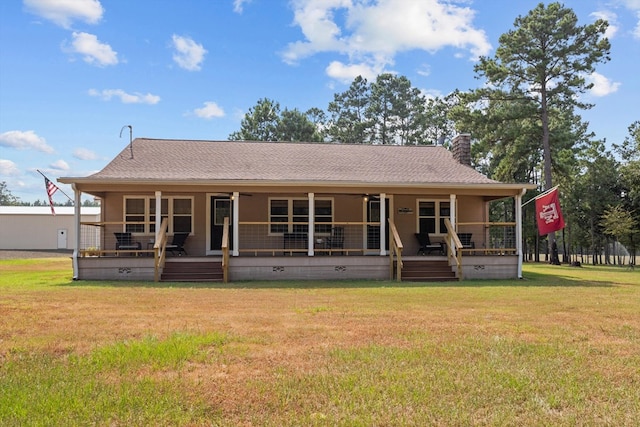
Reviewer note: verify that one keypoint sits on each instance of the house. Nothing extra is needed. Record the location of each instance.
(294, 211)
(35, 228)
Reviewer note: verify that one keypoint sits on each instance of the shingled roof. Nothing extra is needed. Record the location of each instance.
(280, 162)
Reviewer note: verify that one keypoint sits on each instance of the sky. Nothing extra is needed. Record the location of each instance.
(74, 73)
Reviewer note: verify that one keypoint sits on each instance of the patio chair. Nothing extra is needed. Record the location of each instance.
(465, 239)
(177, 244)
(336, 240)
(426, 246)
(124, 242)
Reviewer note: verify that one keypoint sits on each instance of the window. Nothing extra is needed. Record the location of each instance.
(431, 216)
(292, 215)
(178, 210)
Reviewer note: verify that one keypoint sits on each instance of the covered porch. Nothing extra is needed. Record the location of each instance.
(291, 235)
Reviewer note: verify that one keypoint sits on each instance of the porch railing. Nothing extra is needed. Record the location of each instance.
(395, 253)
(479, 238)
(488, 238)
(225, 250)
(160, 249)
(454, 254)
(292, 238)
(99, 239)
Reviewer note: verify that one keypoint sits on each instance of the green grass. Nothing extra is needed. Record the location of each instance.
(121, 384)
(561, 347)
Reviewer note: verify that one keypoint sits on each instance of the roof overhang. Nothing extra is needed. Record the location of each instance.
(90, 185)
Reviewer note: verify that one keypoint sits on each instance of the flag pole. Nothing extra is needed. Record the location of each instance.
(59, 189)
(539, 195)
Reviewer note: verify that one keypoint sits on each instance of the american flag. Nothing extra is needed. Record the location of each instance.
(51, 189)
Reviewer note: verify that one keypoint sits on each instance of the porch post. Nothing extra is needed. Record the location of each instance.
(236, 223)
(383, 224)
(77, 204)
(519, 230)
(158, 211)
(452, 215)
(312, 216)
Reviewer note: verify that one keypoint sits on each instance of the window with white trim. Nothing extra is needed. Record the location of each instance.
(431, 216)
(292, 215)
(142, 209)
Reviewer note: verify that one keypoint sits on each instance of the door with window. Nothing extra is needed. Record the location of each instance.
(221, 207)
(373, 231)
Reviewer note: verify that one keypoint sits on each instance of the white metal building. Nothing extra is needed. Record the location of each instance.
(34, 227)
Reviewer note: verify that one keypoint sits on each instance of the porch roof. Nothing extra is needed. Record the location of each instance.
(282, 163)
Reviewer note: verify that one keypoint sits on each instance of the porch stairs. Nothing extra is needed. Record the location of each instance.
(427, 271)
(192, 270)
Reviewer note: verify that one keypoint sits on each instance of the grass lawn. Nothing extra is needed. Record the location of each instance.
(561, 348)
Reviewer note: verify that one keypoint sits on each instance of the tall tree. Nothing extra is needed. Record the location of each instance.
(294, 125)
(348, 122)
(439, 125)
(629, 152)
(6, 198)
(545, 60)
(260, 123)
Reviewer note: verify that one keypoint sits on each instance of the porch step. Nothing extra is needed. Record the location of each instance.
(427, 271)
(192, 271)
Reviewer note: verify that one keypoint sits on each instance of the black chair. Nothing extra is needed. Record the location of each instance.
(336, 240)
(465, 239)
(177, 244)
(124, 242)
(425, 244)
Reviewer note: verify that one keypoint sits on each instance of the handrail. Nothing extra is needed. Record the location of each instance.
(225, 250)
(160, 249)
(396, 247)
(454, 247)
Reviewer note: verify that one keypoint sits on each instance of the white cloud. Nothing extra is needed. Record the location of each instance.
(94, 52)
(238, 5)
(374, 32)
(125, 98)
(602, 86)
(634, 6)
(63, 12)
(84, 154)
(8, 168)
(346, 73)
(59, 165)
(424, 70)
(209, 111)
(25, 140)
(189, 54)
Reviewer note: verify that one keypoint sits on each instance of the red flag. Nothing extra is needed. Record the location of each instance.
(51, 189)
(548, 213)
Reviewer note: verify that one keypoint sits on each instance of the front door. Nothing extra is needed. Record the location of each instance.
(221, 207)
(373, 231)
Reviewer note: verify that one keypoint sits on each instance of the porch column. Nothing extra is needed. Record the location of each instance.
(158, 212)
(519, 230)
(452, 215)
(236, 223)
(383, 224)
(77, 217)
(312, 215)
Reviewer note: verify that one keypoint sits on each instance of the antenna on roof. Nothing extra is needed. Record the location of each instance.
(130, 137)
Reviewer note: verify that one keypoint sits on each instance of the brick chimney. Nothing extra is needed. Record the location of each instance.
(461, 148)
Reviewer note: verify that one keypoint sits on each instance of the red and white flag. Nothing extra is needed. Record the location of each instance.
(51, 189)
(548, 213)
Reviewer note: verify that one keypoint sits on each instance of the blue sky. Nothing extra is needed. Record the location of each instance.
(74, 72)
